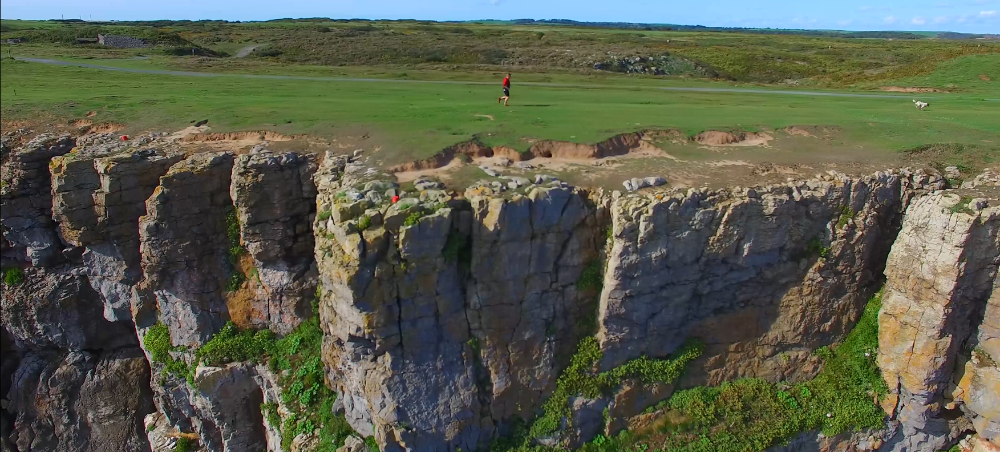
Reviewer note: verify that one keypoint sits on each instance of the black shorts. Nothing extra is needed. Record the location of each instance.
(506, 91)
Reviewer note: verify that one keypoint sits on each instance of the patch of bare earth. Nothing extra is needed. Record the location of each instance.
(984, 77)
(912, 89)
(719, 138)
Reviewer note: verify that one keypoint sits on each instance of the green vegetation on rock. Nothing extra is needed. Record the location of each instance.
(746, 415)
(235, 250)
(184, 445)
(13, 276)
(296, 358)
(752, 414)
(962, 206)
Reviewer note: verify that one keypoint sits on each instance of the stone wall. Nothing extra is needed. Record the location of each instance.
(122, 42)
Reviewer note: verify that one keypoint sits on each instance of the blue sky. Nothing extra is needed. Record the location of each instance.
(977, 16)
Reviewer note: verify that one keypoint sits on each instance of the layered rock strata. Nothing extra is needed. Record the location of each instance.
(941, 277)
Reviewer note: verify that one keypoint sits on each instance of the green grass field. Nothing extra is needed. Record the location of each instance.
(414, 120)
(410, 118)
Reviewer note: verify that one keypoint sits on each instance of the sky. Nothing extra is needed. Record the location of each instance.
(971, 16)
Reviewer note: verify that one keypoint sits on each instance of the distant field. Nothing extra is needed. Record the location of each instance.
(836, 61)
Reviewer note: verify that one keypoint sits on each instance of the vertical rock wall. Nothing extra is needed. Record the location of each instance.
(26, 200)
(762, 276)
(184, 247)
(941, 274)
(275, 201)
(439, 330)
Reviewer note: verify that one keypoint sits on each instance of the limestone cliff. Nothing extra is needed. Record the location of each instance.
(447, 319)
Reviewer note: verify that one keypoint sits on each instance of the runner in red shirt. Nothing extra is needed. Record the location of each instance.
(506, 90)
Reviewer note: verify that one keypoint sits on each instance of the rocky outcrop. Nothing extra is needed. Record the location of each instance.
(80, 380)
(438, 330)
(447, 320)
(55, 309)
(940, 275)
(274, 195)
(185, 247)
(26, 200)
(81, 401)
(761, 276)
(99, 193)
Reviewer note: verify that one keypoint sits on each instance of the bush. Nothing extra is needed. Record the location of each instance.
(13, 276)
(232, 345)
(324, 215)
(364, 223)
(184, 445)
(413, 219)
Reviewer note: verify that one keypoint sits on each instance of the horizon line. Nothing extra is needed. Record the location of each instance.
(579, 22)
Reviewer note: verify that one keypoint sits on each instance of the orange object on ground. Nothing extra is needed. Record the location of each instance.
(395, 199)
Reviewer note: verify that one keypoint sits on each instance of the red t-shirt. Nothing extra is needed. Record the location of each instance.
(506, 82)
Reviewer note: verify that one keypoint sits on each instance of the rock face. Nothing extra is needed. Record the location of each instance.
(940, 275)
(439, 331)
(761, 276)
(26, 201)
(80, 380)
(185, 247)
(274, 195)
(447, 320)
(99, 193)
(81, 401)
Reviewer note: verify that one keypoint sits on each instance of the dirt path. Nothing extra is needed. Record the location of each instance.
(247, 50)
(453, 82)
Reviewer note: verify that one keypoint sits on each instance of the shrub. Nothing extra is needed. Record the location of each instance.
(846, 214)
(413, 219)
(592, 277)
(364, 223)
(815, 248)
(232, 345)
(324, 215)
(13, 276)
(184, 445)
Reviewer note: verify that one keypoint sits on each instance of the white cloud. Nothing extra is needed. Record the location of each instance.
(941, 19)
(889, 19)
(985, 14)
(918, 21)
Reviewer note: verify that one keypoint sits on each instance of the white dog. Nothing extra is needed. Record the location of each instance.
(920, 105)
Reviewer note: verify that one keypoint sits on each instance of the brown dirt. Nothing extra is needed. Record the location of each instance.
(490, 117)
(984, 77)
(718, 138)
(256, 135)
(618, 145)
(912, 89)
(241, 302)
(91, 114)
(105, 127)
(81, 123)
